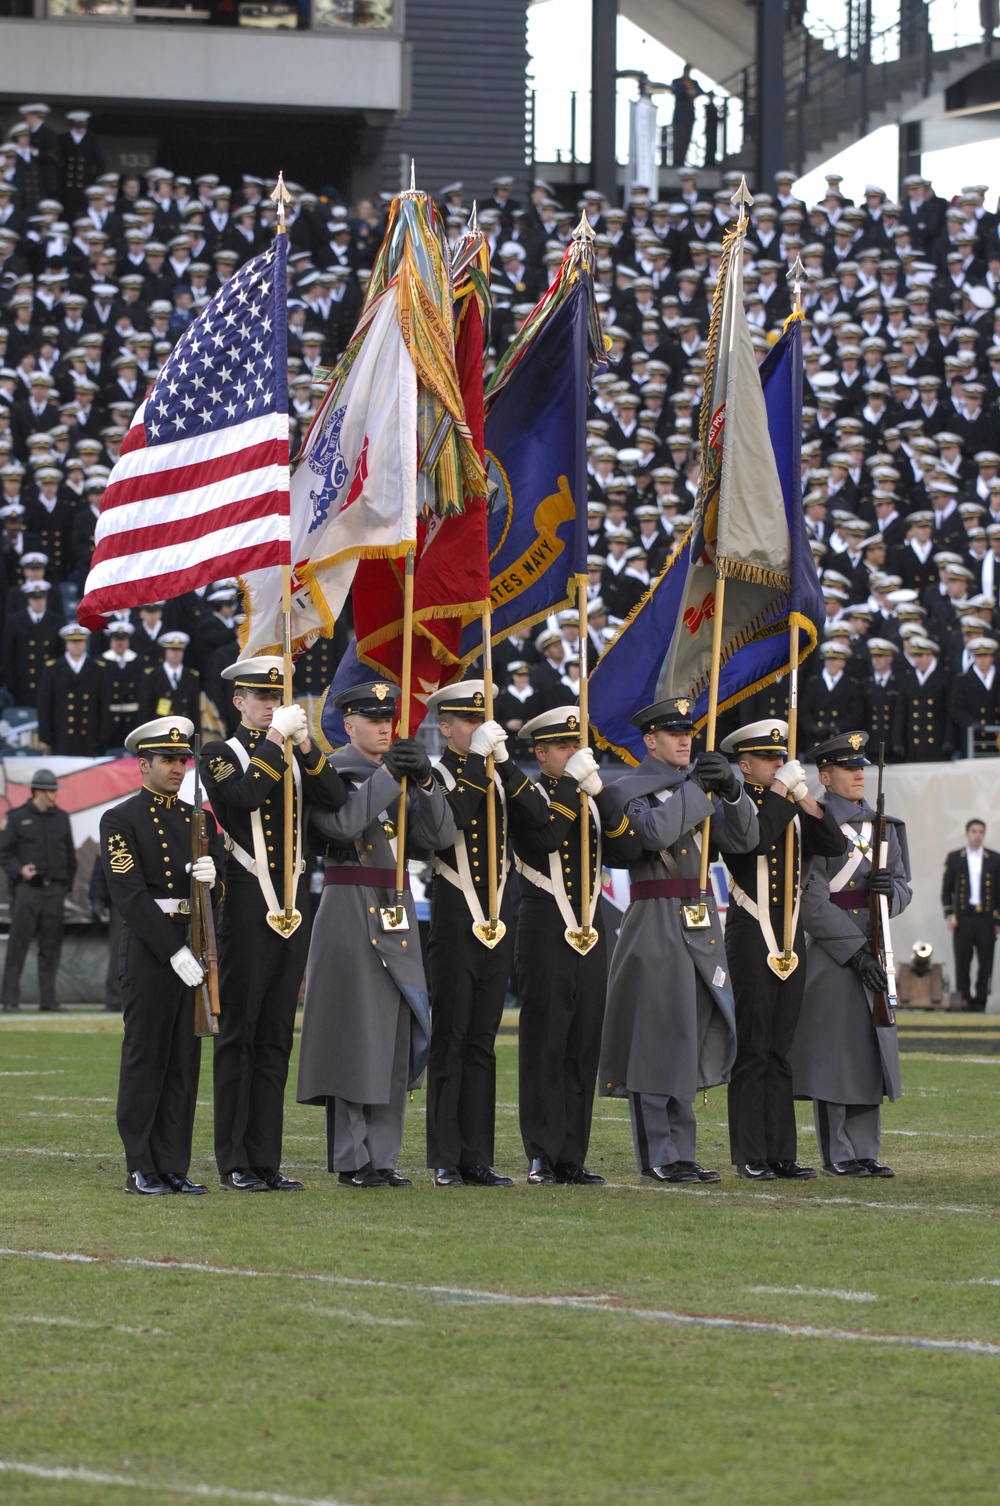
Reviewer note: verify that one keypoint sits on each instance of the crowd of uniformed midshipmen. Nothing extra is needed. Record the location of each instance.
(682, 1008)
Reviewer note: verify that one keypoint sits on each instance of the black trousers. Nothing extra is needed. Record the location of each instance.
(468, 984)
(973, 935)
(34, 913)
(260, 974)
(761, 1107)
(112, 981)
(563, 996)
(161, 1057)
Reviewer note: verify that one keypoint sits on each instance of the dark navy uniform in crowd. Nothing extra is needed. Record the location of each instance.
(970, 896)
(762, 1139)
(73, 717)
(562, 986)
(123, 669)
(39, 859)
(468, 979)
(839, 1058)
(171, 688)
(146, 852)
(260, 969)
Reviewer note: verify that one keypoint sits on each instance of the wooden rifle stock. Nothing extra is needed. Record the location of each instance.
(884, 1002)
(206, 995)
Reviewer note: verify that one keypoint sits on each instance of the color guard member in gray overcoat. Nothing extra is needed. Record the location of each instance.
(366, 1026)
(670, 1026)
(839, 1059)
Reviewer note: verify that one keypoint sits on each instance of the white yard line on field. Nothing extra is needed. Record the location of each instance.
(812, 1291)
(88, 1323)
(149, 1487)
(567, 1302)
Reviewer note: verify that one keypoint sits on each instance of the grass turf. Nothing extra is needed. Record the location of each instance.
(423, 1391)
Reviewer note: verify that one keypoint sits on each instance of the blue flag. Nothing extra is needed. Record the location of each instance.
(630, 674)
(536, 456)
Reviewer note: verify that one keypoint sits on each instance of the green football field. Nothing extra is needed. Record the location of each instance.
(812, 1343)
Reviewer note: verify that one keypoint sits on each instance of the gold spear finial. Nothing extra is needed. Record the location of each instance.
(473, 225)
(413, 176)
(281, 197)
(743, 199)
(794, 279)
(584, 231)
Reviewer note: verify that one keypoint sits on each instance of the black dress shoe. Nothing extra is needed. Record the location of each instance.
(242, 1181)
(484, 1176)
(876, 1168)
(756, 1171)
(365, 1176)
(541, 1173)
(150, 1186)
(844, 1169)
(448, 1176)
(278, 1182)
(52, 1009)
(176, 1183)
(679, 1171)
(704, 1175)
(393, 1178)
(576, 1175)
(792, 1170)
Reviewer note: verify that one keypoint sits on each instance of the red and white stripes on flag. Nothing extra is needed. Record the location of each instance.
(200, 489)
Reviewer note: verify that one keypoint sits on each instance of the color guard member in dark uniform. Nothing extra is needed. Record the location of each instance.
(260, 968)
(970, 895)
(762, 1139)
(146, 852)
(563, 987)
(39, 859)
(468, 979)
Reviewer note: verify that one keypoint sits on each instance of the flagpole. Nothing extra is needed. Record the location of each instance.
(291, 917)
(586, 936)
(496, 929)
(788, 961)
(741, 198)
(404, 699)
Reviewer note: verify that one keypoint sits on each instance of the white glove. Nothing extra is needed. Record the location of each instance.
(490, 738)
(291, 721)
(202, 869)
(799, 791)
(187, 967)
(583, 768)
(791, 774)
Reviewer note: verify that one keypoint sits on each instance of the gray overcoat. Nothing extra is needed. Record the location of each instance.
(356, 971)
(656, 1040)
(838, 1055)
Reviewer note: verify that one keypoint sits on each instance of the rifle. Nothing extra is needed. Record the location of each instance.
(883, 1004)
(206, 994)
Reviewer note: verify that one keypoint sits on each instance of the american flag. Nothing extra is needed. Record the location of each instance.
(200, 490)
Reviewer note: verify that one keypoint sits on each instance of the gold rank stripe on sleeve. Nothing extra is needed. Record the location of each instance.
(220, 769)
(619, 831)
(120, 859)
(470, 784)
(260, 764)
(522, 786)
(564, 810)
(319, 767)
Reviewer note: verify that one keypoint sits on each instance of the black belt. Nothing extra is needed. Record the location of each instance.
(365, 878)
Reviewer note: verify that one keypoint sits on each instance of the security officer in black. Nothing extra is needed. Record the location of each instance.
(970, 897)
(260, 964)
(562, 965)
(468, 976)
(762, 1138)
(39, 859)
(146, 850)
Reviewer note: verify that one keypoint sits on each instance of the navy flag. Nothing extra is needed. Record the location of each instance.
(637, 667)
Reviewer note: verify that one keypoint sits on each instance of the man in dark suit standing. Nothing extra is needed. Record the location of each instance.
(970, 895)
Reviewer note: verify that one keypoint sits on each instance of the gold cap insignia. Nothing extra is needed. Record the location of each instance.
(175, 735)
(272, 673)
(776, 734)
(380, 692)
(855, 739)
(683, 706)
(572, 723)
(478, 699)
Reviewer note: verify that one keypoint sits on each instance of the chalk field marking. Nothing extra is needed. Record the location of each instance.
(89, 1323)
(812, 1291)
(158, 1487)
(368, 1320)
(67, 1098)
(39, 1072)
(797, 1200)
(599, 1304)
